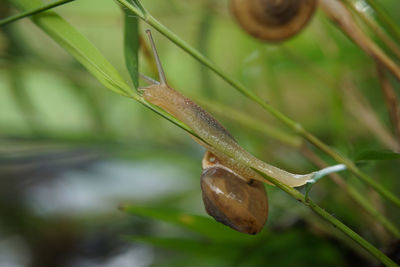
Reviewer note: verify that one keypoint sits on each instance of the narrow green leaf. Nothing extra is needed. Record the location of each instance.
(131, 45)
(87, 54)
(139, 5)
(199, 224)
(32, 12)
(378, 155)
(383, 16)
(77, 45)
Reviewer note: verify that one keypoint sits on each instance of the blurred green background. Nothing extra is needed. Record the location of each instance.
(72, 152)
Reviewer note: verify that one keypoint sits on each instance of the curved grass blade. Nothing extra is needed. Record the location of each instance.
(32, 12)
(131, 45)
(77, 45)
(385, 18)
(379, 255)
(139, 5)
(89, 56)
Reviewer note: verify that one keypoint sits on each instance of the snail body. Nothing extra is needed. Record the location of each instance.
(210, 130)
(233, 193)
(273, 20)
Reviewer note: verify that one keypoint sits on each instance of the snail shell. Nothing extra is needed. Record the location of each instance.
(231, 199)
(273, 20)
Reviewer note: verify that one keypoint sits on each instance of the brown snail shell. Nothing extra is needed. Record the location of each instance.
(232, 200)
(273, 20)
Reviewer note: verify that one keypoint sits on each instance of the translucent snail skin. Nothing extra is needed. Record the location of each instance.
(273, 20)
(232, 192)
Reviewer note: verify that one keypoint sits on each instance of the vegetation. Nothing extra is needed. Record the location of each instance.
(327, 97)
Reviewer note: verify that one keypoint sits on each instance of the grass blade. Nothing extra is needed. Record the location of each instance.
(33, 12)
(131, 45)
(88, 55)
(77, 45)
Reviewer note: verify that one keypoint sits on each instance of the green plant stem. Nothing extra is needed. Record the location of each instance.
(33, 12)
(351, 167)
(375, 28)
(197, 55)
(353, 193)
(335, 222)
(385, 18)
(250, 122)
(297, 127)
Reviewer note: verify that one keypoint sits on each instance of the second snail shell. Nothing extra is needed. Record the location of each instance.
(273, 20)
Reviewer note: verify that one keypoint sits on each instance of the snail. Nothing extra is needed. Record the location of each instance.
(233, 193)
(273, 20)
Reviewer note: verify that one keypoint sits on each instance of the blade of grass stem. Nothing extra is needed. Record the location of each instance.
(297, 127)
(251, 123)
(77, 45)
(33, 12)
(361, 109)
(356, 103)
(376, 29)
(334, 221)
(385, 18)
(359, 198)
(131, 46)
(391, 101)
(343, 19)
(88, 55)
